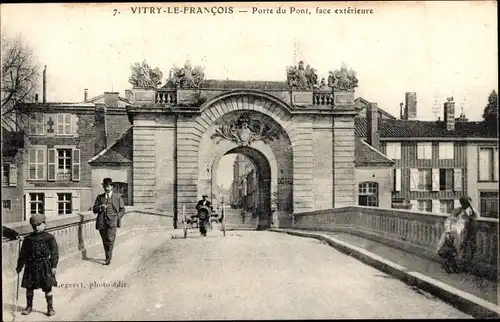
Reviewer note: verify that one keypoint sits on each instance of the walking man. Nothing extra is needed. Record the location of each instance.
(110, 209)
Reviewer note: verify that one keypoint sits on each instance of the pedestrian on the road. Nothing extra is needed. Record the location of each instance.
(39, 256)
(110, 209)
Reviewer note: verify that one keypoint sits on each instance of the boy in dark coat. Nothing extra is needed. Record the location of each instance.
(39, 256)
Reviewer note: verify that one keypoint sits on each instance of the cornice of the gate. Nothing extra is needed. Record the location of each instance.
(246, 92)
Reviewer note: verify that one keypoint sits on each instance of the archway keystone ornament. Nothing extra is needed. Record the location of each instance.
(245, 130)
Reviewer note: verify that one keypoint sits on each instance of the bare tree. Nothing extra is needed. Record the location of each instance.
(20, 75)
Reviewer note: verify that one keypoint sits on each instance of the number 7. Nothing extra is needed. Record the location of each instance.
(115, 11)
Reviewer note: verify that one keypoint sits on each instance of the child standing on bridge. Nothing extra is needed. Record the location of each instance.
(39, 256)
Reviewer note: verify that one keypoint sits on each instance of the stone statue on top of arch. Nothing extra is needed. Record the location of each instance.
(143, 76)
(343, 79)
(186, 77)
(301, 78)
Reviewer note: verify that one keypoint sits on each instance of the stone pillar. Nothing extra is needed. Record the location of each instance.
(343, 161)
(323, 163)
(302, 141)
(165, 147)
(188, 145)
(144, 174)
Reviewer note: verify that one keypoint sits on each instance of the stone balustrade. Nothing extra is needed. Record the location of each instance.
(75, 232)
(414, 231)
(195, 97)
(166, 96)
(323, 97)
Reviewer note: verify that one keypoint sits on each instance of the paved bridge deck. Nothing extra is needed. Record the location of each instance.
(246, 275)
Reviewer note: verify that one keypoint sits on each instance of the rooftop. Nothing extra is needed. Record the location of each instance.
(389, 128)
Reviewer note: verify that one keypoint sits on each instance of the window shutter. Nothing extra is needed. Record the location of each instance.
(74, 124)
(456, 203)
(420, 151)
(451, 150)
(414, 204)
(27, 208)
(442, 151)
(457, 175)
(414, 179)
(75, 203)
(51, 164)
(12, 175)
(75, 176)
(50, 205)
(436, 206)
(397, 179)
(435, 180)
(428, 151)
(397, 152)
(495, 164)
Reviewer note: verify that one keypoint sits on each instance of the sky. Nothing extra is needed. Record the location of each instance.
(436, 49)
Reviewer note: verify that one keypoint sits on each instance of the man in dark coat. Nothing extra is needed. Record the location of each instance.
(39, 256)
(110, 209)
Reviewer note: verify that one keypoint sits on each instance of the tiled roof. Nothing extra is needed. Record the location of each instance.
(367, 155)
(409, 129)
(235, 84)
(120, 152)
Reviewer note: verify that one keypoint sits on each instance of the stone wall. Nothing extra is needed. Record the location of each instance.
(74, 233)
(414, 231)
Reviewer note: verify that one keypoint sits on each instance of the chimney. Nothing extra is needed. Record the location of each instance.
(85, 95)
(100, 128)
(372, 125)
(449, 114)
(111, 99)
(401, 115)
(44, 85)
(411, 105)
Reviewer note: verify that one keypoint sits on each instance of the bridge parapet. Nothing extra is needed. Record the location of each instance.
(414, 231)
(76, 232)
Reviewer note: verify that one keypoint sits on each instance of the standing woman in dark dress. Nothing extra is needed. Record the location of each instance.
(39, 257)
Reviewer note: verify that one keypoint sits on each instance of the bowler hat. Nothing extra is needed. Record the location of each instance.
(204, 196)
(107, 181)
(37, 219)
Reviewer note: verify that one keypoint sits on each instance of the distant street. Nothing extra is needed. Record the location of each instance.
(246, 275)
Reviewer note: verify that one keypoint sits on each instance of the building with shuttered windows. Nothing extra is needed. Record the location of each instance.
(48, 173)
(437, 162)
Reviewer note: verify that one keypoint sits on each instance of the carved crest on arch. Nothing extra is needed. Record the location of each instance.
(245, 130)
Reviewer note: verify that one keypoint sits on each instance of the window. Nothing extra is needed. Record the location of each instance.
(36, 203)
(393, 150)
(64, 205)
(6, 204)
(424, 179)
(36, 163)
(488, 204)
(446, 206)
(446, 179)
(368, 194)
(446, 150)
(424, 150)
(63, 164)
(37, 124)
(5, 174)
(488, 164)
(425, 205)
(63, 124)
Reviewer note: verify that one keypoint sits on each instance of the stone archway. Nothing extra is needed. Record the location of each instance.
(270, 152)
(264, 176)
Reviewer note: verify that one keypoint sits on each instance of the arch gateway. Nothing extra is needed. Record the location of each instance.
(300, 140)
